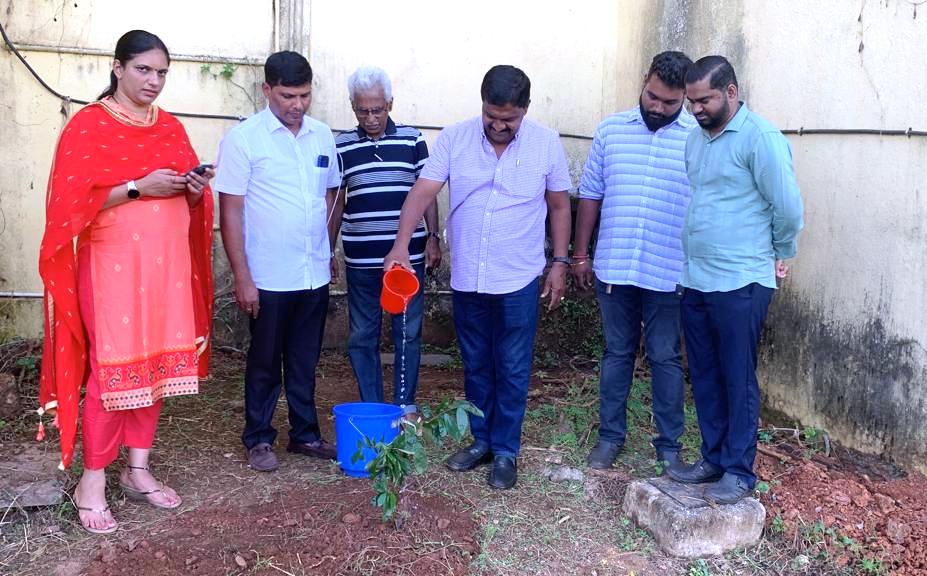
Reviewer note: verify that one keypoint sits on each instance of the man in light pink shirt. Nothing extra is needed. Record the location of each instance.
(504, 174)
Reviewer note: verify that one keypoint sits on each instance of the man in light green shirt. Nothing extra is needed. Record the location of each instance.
(742, 224)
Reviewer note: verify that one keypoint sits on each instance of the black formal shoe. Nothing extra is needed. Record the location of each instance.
(698, 473)
(469, 458)
(730, 489)
(603, 454)
(504, 472)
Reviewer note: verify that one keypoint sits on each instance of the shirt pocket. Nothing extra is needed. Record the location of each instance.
(523, 177)
(318, 180)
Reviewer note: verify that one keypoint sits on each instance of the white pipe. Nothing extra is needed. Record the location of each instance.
(15, 294)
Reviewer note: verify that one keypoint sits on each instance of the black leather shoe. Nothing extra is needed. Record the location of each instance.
(504, 472)
(729, 490)
(698, 473)
(603, 455)
(469, 458)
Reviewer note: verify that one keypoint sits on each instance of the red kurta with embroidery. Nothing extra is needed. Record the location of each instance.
(151, 267)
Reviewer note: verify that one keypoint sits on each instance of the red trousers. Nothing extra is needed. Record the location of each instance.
(105, 432)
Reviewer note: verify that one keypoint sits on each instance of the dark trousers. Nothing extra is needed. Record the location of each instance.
(722, 331)
(496, 337)
(623, 308)
(286, 339)
(364, 320)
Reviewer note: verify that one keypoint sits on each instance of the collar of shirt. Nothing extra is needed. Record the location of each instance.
(734, 124)
(390, 129)
(273, 123)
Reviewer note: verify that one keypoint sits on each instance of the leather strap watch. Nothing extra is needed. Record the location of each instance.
(133, 192)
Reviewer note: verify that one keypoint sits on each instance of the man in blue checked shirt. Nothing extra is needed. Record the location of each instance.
(635, 176)
(742, 224)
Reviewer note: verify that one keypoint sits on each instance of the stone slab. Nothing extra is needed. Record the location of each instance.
(685, 524)
(388, 359)
(30, 477)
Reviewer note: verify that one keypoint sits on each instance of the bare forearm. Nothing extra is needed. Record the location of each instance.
(422, 194)
(118, 195)
(431, 216)
(558, 206)
(586, 216)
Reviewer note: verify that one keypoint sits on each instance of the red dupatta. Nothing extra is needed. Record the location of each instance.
(101, 148)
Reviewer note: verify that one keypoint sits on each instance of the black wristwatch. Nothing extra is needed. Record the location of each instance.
(562, 259)
(434, 235)
(133, 192)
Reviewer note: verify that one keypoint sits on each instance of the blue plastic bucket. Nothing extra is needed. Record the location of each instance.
(354, 421)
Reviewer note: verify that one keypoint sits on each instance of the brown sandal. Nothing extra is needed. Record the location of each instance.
(136, 494)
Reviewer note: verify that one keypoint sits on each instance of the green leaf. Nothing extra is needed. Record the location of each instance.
(463, 421)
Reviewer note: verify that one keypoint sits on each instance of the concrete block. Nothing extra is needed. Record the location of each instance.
(684, 524)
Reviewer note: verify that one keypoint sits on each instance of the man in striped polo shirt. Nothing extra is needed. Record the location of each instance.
(636, 176)
(380, 161)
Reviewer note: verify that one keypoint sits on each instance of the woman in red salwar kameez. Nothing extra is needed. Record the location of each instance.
(130, 311)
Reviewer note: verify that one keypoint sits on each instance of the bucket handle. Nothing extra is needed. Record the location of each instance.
(393, 424)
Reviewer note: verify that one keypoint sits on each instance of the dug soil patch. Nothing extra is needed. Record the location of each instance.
(321, 529)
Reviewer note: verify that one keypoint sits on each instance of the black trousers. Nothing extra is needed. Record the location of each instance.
(286, 339)
(722, 334)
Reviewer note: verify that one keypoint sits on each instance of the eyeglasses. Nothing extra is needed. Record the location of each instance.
(369, 111)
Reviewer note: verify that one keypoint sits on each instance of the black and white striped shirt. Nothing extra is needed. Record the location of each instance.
(377, 176)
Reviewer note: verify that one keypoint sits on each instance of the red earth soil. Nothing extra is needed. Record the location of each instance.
(325, 529)
(877, 505)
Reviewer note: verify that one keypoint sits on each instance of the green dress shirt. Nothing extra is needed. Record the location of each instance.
(746, 209)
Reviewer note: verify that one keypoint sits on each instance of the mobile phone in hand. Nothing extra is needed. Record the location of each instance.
(201, 169)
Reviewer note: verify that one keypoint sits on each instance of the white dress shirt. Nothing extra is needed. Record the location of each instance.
(284, 179)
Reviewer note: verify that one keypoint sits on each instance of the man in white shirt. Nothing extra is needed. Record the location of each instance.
(277, 177)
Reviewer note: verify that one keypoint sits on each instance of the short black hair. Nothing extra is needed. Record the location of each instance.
(287, 68)
(505, 84)
(670, 67)
(717, 69)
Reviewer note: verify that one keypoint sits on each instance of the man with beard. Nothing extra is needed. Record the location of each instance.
(742, 223)
(635, 176)
(505, 174)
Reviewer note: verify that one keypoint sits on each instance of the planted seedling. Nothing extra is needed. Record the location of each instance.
(405, 453)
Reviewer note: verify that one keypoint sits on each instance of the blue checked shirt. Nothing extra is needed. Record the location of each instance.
(640, 178)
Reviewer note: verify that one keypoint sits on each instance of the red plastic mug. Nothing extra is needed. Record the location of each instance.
(399, 286)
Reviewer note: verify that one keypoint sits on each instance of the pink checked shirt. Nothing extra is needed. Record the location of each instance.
(496, 220)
